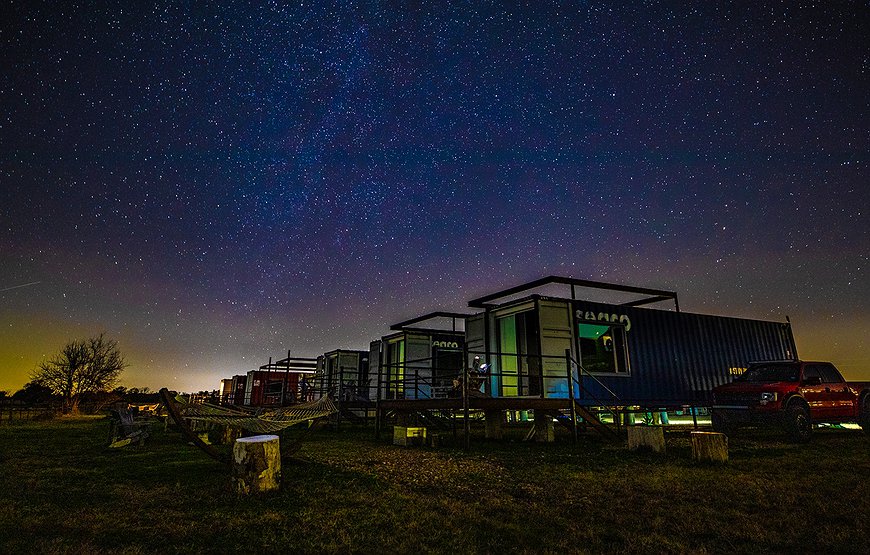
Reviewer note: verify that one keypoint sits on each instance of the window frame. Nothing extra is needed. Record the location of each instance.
(830, 370)
(623, 348)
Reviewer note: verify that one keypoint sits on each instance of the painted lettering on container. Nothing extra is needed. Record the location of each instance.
(446, 344)
(602, 317)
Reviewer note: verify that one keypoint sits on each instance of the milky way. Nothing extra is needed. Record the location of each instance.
(213, 184)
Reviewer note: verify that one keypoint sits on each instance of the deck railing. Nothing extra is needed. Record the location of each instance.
(508, 375)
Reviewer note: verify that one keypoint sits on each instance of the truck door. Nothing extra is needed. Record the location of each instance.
(813, 391)
(843, 401)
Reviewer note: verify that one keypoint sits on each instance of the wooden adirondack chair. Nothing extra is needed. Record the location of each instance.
(124, 429)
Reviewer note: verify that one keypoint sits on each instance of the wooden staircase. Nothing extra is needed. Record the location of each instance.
(589, 418)
(592, 419)
(433, 420)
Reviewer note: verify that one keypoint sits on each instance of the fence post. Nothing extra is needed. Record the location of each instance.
(378, 417)
(338, 401)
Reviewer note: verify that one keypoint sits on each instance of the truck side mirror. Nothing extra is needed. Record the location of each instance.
(812, 380)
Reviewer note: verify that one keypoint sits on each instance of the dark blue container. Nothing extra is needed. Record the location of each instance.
(679, 357)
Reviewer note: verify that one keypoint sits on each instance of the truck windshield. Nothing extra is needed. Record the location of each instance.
(768, 373)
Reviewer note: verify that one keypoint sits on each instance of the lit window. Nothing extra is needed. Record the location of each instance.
(602, 348)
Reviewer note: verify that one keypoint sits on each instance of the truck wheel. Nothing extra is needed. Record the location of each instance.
(721, 423)
(798, 424)
(864, 415)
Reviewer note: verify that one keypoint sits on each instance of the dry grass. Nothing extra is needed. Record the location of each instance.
(62, 491)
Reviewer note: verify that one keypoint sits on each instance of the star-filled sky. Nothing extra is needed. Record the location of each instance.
(214, 183)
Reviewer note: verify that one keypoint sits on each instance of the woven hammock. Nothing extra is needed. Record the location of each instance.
(265, 422)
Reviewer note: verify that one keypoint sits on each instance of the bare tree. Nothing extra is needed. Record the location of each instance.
(82, 366)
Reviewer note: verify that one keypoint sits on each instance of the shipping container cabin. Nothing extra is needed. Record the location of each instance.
(345, 375)
(277, 383)
(421, 359)
(615, 354)
(236, 394)
(226, 391)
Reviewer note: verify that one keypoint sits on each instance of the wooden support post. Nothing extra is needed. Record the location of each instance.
(646, 437)
(494, 424)
(338, 400)
(709, 447)
(466, 423)
(379, 418)
(544, 432)
(571, 392)
(256, 464)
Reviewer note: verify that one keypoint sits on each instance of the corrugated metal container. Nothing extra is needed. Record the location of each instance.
(642, 356)
(264, 388)
(226, 390)
(679, 357)
(377, 389)
(345, 373)
(417, 363)
(237, 393)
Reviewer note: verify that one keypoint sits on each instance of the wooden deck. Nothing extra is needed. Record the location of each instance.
(477, 403)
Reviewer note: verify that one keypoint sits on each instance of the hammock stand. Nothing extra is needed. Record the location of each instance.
(261, 422)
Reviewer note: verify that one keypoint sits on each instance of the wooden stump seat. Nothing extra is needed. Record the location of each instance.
(257, 464)
(646, 437)
(709, 447)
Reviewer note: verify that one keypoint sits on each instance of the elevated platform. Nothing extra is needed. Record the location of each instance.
(477, 403)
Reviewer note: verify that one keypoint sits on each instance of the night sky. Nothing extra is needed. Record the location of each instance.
(213, 184)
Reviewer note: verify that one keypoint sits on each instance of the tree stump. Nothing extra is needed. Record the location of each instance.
(227, 435)
(646, 437)
(494, 420)
(256, 464)
(709, 447)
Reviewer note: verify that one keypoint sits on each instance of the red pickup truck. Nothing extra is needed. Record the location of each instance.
(792, 393)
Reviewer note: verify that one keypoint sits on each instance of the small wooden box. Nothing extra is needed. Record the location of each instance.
(403, 435)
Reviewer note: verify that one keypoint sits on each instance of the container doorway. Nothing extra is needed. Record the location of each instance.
(520, 354)
(395, 371)
(446, 366)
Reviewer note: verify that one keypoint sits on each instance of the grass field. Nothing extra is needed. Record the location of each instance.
(62, 491)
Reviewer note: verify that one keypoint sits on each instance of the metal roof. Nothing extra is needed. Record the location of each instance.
(294, 364)
(430, 316)
(653, 295)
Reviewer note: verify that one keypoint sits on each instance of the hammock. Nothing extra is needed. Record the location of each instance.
(265, 422)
